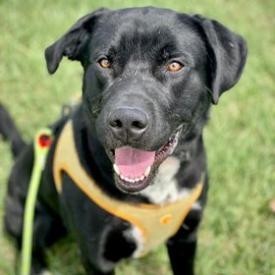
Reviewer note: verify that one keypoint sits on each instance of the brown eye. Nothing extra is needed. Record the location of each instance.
(104, 63)
(174, 67)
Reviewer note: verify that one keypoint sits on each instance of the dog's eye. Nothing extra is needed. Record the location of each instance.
(174, 67)
(104, 63)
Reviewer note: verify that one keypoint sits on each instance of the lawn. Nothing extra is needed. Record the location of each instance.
(237, 236)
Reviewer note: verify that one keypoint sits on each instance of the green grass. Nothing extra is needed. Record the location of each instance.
(237, 235)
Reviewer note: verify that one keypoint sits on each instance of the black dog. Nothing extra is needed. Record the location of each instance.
(150, 77)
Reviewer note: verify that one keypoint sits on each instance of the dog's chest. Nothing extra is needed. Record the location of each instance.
(164, 188)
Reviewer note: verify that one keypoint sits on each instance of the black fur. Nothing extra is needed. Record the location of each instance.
(10, 132)
(139, 43)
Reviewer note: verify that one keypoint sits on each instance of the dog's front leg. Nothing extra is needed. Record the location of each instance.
(182, 247)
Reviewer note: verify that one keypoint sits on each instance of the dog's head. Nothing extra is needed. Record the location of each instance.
(150, 76)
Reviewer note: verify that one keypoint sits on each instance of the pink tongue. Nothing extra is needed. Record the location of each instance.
(132, 162)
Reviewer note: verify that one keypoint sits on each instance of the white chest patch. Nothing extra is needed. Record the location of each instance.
(165, 187)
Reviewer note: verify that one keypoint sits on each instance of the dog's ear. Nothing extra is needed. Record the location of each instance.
(72, 42)
(227, 53)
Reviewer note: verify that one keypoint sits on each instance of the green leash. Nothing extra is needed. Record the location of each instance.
(42, 144)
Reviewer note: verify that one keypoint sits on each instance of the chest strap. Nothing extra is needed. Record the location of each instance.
(155, 223)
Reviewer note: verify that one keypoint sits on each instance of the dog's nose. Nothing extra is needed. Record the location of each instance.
(128, 122)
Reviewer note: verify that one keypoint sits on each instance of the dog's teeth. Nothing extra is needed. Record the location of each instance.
(129, 180)
(134, 180)
(141, 178)
(116, 169)
(147, 171)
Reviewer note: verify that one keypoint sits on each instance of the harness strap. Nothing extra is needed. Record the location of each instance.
(156, 223)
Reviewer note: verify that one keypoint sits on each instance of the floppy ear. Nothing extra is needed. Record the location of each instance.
(227, 53)
(72, 43)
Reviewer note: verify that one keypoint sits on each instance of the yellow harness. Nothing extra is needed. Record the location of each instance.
(156, 223)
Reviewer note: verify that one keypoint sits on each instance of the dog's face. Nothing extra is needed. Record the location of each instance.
(150, 76)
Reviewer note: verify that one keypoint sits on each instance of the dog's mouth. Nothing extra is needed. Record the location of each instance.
(135, 168)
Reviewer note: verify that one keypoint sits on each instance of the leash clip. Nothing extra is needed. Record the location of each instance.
(43, 141)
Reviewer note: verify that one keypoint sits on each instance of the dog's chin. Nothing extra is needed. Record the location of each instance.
(147, 163)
